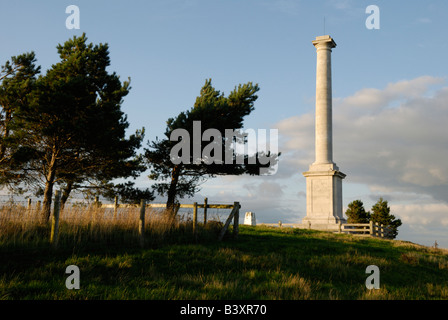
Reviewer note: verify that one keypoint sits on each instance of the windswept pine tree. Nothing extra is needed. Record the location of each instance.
(73, 129)
(214, 111)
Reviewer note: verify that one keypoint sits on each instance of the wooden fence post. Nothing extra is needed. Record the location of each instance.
(141, 225)
(38, 205)
(371, 227)
(55, 220)
(29, 204)
(382, 230)
(236, 220)
(229, 219)
(195, 217)
(205, 211)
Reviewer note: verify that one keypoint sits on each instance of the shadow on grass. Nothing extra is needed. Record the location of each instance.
(262, 263)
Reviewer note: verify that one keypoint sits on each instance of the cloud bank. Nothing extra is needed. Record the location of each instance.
(394, 139)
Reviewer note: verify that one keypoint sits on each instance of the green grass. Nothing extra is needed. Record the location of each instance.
(263, 263)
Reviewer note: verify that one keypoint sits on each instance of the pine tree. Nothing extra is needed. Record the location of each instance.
(356, 212)
(74, 123)
(381, 215)
(214, 111)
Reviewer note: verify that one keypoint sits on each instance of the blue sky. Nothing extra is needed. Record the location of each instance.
(389, 88)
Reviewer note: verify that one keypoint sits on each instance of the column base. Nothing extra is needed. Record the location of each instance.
(330, 224)
(323, 197)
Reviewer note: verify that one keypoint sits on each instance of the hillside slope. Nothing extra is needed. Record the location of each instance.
(263, 263)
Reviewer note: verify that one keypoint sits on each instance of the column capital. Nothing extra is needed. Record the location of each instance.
(324, 41)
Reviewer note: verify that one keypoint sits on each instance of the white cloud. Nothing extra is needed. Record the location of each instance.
(399, 140)
(434, 214)
(264, 190)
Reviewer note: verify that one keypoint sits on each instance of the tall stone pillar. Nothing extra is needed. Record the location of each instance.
(323, 179)
(324, 143)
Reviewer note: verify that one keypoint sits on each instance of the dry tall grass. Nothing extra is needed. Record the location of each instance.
(83, 225)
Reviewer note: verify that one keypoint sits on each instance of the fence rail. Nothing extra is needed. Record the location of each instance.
(372, 228)
(369, 229)
(234, 214)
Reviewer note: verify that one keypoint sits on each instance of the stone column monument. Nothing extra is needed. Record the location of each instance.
(323, 179)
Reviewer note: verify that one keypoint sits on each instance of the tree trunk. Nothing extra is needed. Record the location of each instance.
(48, 193)
(66, 193)
(172, 191)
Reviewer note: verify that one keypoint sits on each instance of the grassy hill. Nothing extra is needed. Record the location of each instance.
(263, 263)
